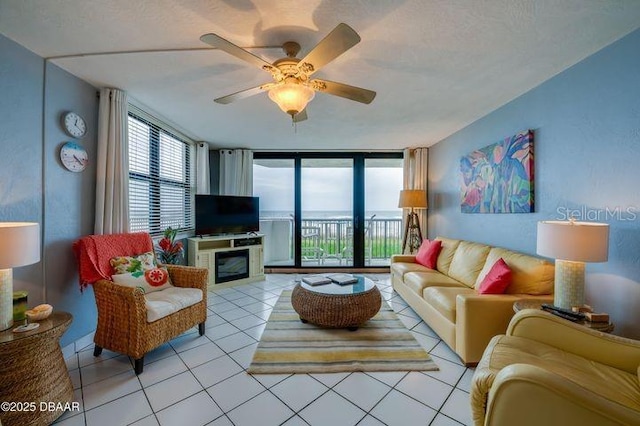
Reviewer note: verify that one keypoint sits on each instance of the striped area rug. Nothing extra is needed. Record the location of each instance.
(381, 344)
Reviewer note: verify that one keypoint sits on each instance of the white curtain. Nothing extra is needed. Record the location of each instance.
(236, 172)
(112, 166)
(202, 169)
(415, 175)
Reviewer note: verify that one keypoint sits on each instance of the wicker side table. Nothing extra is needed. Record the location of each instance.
(33, 370)
(336, 306)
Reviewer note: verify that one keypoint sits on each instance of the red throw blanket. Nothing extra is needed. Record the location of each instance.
(94, 252)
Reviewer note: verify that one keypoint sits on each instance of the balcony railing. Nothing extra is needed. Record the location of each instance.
(329, 241)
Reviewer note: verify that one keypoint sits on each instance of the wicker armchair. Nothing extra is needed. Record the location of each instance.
(122, 314)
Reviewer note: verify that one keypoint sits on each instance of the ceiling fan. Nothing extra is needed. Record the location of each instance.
(293, 88)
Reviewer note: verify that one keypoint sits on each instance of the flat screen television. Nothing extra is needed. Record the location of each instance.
(226, 214)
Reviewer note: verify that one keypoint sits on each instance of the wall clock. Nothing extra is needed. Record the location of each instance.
(74, 125)
(74, 157)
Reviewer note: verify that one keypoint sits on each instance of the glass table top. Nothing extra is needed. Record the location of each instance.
(363, 284)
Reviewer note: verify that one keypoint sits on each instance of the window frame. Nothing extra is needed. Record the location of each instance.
(155, 181)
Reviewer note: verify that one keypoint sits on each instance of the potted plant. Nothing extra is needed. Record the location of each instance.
(170, 251)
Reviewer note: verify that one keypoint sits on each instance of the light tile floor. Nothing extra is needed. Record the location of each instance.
(195, 380)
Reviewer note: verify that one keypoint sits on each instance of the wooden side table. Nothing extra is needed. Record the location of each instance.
(33, 373)
(536, 304)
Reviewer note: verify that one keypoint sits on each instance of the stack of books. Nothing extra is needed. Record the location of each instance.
(343, 279)
(597, 321)
(316, 279)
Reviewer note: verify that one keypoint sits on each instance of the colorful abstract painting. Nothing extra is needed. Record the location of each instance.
(499, 178)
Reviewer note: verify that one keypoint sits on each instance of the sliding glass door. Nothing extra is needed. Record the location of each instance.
(383, 218)
(323, 210)
(327, 211)
(273, 182)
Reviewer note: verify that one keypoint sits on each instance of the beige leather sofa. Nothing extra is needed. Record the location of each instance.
(446, 298)
(552, 372)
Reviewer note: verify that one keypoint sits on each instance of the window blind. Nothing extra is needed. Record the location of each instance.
(161, 177)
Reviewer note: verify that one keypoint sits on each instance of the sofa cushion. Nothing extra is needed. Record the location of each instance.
(443, 299)
(162, 303)
(611, 383)
(418, 281)
(529, 274)
(428, 253)
(445, 257)
(468, 261)
(402, 268)
(497, 280)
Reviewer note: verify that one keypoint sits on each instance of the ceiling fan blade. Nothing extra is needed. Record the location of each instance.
(338, 41)
(225, 45)
(357, 94)
(301, 116)
(243, 94)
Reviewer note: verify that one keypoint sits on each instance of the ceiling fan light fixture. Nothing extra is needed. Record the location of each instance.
(291, 96)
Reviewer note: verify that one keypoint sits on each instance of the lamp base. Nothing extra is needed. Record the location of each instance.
(412, 233)
(6, 299)
(569, 284)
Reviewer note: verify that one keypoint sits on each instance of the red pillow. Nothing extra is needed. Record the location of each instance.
(428, 253)
(497, 280)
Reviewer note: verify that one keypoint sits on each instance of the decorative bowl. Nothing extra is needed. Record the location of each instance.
(39, 313)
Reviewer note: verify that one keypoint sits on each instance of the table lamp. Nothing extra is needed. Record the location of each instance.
(19, 246)
(412, 199)
(572, 243)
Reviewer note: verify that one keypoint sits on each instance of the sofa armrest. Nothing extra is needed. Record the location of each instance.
(479, 317)
(549, 399)
(615, 351)
(406, 258)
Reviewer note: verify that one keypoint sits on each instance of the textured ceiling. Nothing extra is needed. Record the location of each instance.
(436, 65)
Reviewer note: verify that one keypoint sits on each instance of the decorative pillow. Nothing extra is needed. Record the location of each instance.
(428, 253)
(497, 280)
(151, 280)
(129, 264)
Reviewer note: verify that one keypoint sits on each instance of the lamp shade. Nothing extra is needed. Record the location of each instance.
(19, 244)
(573, 241)
(413, 198)
(291, 96)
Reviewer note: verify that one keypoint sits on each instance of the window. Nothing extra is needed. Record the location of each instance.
(161, 189)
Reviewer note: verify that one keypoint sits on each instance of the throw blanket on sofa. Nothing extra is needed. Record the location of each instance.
(94, 252)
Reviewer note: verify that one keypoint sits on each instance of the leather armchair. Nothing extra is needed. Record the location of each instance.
(549, 371)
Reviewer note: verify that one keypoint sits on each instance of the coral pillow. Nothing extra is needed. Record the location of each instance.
(497, 280)
(149, 280)
(428, 253)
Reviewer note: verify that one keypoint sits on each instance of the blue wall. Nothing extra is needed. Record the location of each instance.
(34, 186)
(586, 122)
(21, 100)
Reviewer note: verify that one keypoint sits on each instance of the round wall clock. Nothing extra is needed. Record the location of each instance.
(74, 125)
(74, 157)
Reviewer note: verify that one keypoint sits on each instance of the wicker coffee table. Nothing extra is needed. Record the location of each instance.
(337, 306)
